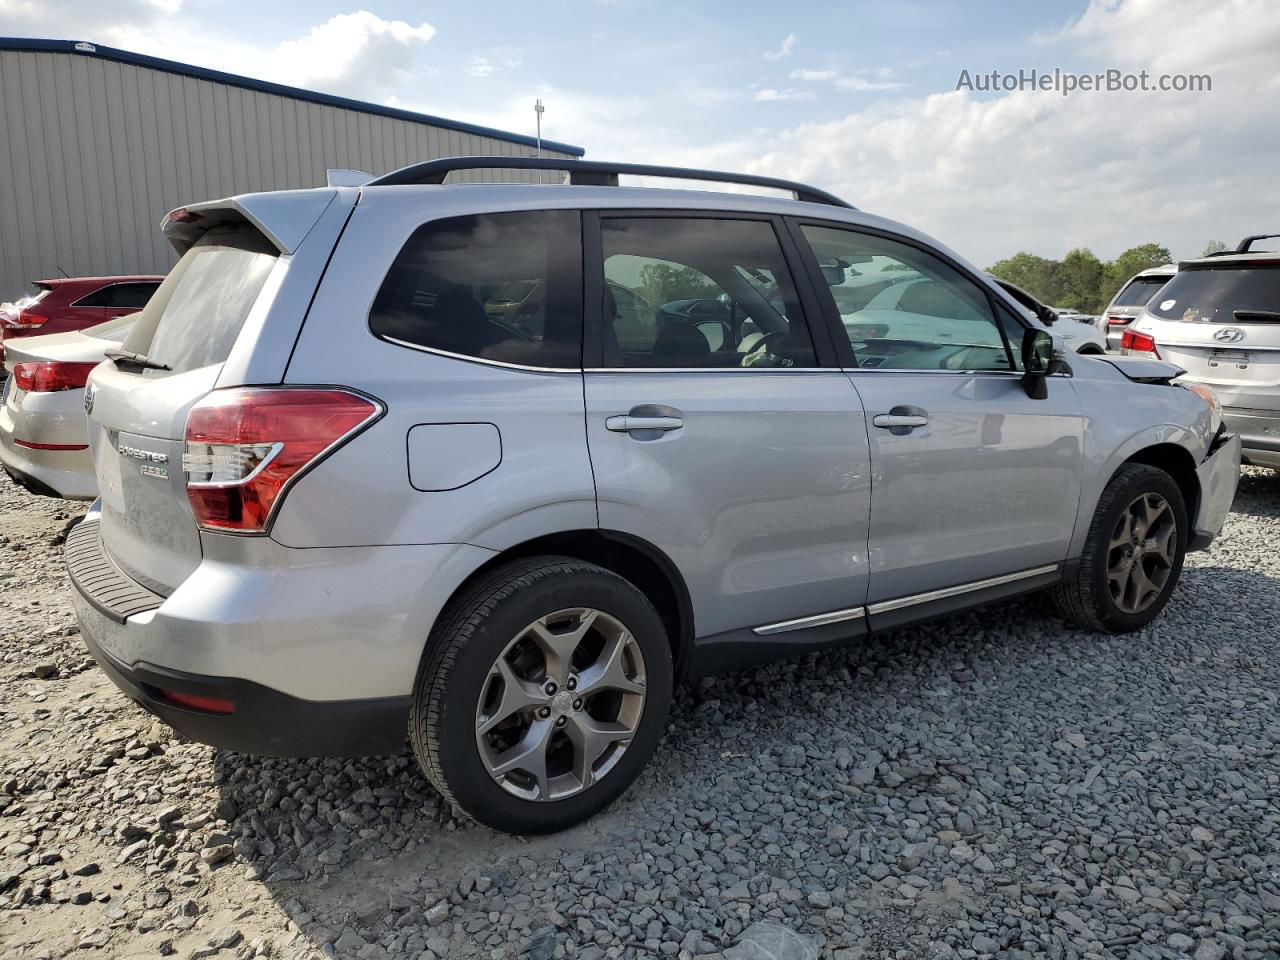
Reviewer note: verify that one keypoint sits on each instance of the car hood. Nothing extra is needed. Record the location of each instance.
(1140, 370)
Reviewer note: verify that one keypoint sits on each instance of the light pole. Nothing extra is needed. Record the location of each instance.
(538, 110)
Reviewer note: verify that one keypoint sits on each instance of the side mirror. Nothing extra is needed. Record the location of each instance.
(1046, 316)
(833, 274)
(1037, 362)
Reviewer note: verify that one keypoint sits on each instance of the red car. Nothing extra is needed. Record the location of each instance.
(75, 303)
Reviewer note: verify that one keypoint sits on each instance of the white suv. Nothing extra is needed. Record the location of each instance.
(1219, 319)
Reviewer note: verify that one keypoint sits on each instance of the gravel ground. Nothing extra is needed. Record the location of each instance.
(995, 784)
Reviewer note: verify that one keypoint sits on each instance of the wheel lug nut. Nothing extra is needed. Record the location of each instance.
(550, 688)
(560, 721)
(577, 704)
(573, 683)
(544, 712)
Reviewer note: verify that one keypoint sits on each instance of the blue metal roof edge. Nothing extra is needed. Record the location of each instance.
(82, 47)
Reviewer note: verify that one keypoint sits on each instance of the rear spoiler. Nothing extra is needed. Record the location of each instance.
(1141, 370)
(284, 217)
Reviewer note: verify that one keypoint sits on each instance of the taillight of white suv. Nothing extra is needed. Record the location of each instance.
(246, 446)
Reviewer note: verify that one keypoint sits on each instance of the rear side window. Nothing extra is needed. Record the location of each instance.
(119, 295)
(503, 287)
(1137, 293)
(1227, 295)
(196, 314)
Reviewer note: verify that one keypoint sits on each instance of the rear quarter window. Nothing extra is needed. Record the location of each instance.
(501, 287)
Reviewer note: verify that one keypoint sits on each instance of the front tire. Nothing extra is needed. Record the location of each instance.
(542, 693)
(1133, 554)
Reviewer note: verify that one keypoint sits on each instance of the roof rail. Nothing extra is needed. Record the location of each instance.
(1247, 242)
(595, 173)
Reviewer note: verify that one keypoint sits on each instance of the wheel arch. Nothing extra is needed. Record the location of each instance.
(1179, 464)
(630, 557)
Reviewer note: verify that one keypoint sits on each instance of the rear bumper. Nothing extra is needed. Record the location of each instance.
(317, 648)
(1219, 475)
(265, 722)
(56, 473)
(1259, 432)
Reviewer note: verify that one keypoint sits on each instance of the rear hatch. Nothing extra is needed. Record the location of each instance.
(1131, 299)
(1221, 323)
(138, 410)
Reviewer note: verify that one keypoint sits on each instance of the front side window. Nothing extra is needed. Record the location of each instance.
(905, 309)
(503, 287)
(699, 293)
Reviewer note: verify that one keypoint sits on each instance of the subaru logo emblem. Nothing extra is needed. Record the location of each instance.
(1229, 335)
(89, 394)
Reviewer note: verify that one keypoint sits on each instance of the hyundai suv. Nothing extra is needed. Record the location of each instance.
(342, 501)
(1219, 319)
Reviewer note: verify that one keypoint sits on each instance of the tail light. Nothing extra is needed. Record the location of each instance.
(1117, 320)
(1138, 343)
(50, 377)
(245, 446)
(25, 320)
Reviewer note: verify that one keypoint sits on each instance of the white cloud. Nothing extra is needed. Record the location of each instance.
(811, 75)
(860, 84)
(769, 94)
(81, 19)
(487, 66)
(1043, 172)
(784, 51)
(356, 54)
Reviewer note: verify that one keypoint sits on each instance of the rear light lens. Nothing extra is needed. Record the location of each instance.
(245, 446)
(50, 377)
(194, 701)
(1117, 320)
(1133, 342)
(25, 320)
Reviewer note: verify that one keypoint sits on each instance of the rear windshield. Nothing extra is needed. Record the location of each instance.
(196, 314)
(1239, 295)
(1139, 291)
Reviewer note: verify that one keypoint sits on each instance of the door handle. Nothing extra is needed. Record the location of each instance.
(891, 420)
(628, 423)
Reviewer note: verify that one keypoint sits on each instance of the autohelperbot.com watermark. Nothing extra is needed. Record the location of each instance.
(1066, 83)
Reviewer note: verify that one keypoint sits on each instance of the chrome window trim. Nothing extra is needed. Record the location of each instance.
(817, 620)
(712, 370)
(482, 360)
(885, 606)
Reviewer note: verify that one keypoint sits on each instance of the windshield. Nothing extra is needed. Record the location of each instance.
(197, 312)
(1139, 291)
(1225, 295)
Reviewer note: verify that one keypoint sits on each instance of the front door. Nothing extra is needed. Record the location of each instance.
(974, 484)
(715, 431)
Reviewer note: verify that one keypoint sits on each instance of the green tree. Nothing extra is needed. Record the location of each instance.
(1036, 275)
(1080, 281)
(1212, 247)
(1134, 260)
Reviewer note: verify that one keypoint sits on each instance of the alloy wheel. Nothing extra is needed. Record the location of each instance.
(561, 704)
(1141, 554)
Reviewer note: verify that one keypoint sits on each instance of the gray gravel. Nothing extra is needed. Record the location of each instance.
(995, 784)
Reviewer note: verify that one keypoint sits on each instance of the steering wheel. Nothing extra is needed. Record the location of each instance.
(761, 346)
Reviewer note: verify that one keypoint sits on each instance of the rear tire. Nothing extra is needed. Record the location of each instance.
(485, 729)
(1132, 556)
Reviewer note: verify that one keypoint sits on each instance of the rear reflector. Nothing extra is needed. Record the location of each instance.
(195, 701)
(50, 446)
(1139, 343)
(246, 446)
(47, 376)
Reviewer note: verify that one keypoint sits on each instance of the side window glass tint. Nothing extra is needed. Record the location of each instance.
(131, 294)
(699, 292)
(903, 308)
(505, 287)
(99, 298)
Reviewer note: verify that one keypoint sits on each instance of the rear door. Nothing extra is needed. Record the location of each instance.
(1222, 325)
(138, 415)
(972, 480)
(731, 442)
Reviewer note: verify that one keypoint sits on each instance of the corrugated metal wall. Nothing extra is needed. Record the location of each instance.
(94, 152)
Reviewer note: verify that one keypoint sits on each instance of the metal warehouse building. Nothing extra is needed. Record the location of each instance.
(97, 144)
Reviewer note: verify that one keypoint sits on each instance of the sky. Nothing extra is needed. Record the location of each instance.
(858, 98)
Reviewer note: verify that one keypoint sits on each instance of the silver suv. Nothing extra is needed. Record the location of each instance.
(494, 466)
